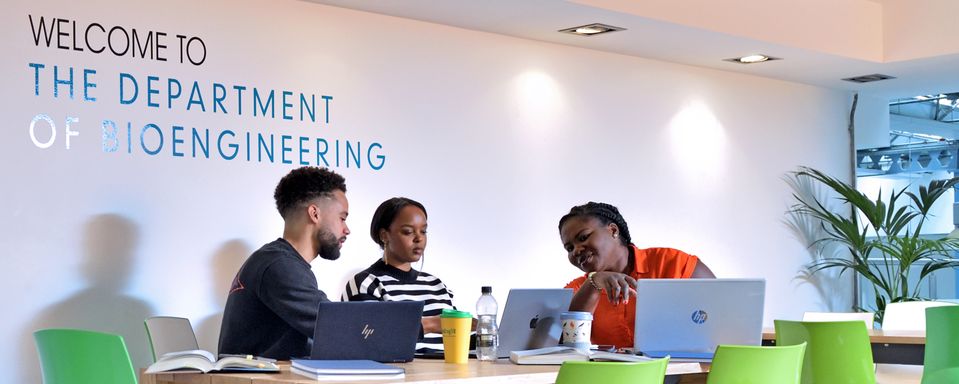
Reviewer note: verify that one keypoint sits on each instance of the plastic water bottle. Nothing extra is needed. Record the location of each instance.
(487, 338)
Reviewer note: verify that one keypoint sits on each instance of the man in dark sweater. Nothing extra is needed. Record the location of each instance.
(271, 309)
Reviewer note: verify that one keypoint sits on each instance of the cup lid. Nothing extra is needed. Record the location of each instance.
(576, 315)
(452, 313)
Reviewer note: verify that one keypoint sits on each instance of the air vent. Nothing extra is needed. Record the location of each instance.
(869, 78)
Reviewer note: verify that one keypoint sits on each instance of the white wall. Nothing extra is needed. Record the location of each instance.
(497, 136)
(872, 121)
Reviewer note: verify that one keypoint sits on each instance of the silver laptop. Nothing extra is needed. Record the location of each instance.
(531, 319)
(688, 318)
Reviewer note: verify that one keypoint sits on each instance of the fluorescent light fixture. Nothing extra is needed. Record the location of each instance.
(752, 59)
(591, 29)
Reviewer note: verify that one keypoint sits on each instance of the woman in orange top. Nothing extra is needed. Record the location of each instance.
(597, 241)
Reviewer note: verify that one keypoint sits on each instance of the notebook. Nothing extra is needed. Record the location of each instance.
(531, 319)
(688, 318)
(346, 370)
(384, 331)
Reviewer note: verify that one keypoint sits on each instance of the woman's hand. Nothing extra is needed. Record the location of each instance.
(618, 286)
(431, 324)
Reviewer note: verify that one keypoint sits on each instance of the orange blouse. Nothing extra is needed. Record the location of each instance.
(613, 324)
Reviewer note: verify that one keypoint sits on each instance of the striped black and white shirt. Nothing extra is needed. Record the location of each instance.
(384, 282)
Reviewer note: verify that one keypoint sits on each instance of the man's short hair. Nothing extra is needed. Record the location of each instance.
(305, 184)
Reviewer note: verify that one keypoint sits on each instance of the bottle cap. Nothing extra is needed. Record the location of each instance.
(486, 289)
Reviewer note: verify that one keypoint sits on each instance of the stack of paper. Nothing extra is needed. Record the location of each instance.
(346, 370)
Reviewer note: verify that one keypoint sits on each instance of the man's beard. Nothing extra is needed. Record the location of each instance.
(329, 245)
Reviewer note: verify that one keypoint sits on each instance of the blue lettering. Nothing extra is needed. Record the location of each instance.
(284, 149)
(239, 106)
(143, 143)
(320, 153)
(303, 149)
(310, 108)
(218, 97)
(196, 97)
(204, 143)
(151, 91)
(262, 147)
(219, 144)
(286, 104)
(382, 159)
(170, 94)
(248, 146)
(57, 82)
(87, 73)
(258, 102)
(110, 142)
(355, 152)
(136, 88)
(327, 100)
(36, 77)
(176, 153)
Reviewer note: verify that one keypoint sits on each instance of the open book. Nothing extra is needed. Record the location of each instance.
(557, 355)
(204, 361)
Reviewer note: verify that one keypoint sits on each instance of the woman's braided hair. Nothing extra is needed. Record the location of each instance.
(605, 213)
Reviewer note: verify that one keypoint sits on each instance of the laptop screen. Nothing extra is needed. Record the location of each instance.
(690, 317)
(384, 331)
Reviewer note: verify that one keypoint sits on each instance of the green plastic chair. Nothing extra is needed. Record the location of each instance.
(837, 352)
(748, 364)
(941, 362)
(578, 372)
(73, 356)
(942, 376)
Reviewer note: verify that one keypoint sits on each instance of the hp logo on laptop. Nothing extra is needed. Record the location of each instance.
(367, 331)
(699, 316)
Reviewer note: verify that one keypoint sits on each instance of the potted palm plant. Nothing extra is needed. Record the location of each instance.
(885, 228)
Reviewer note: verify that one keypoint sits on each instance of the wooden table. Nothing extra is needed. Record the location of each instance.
(499, 372)
(888, 347)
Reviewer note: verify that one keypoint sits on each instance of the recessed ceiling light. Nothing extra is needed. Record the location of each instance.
(591, 29)
(752, 59)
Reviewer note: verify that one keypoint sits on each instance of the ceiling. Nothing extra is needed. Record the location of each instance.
(820, 41)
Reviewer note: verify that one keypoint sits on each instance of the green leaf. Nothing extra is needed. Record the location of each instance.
(890, 231)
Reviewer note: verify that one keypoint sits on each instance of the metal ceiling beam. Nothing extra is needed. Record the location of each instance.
(914, 101)
(923, 126)
(913, 158)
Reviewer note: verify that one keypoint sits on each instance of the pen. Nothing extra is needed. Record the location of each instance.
(249, 357)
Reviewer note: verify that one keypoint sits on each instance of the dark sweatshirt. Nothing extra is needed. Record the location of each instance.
(271, 309)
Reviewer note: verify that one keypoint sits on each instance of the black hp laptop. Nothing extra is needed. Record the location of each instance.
(384, 331)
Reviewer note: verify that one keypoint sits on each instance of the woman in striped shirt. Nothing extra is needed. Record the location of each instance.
(399, 227)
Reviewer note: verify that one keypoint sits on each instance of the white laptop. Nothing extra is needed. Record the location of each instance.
(688, 318)
(531, 319)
